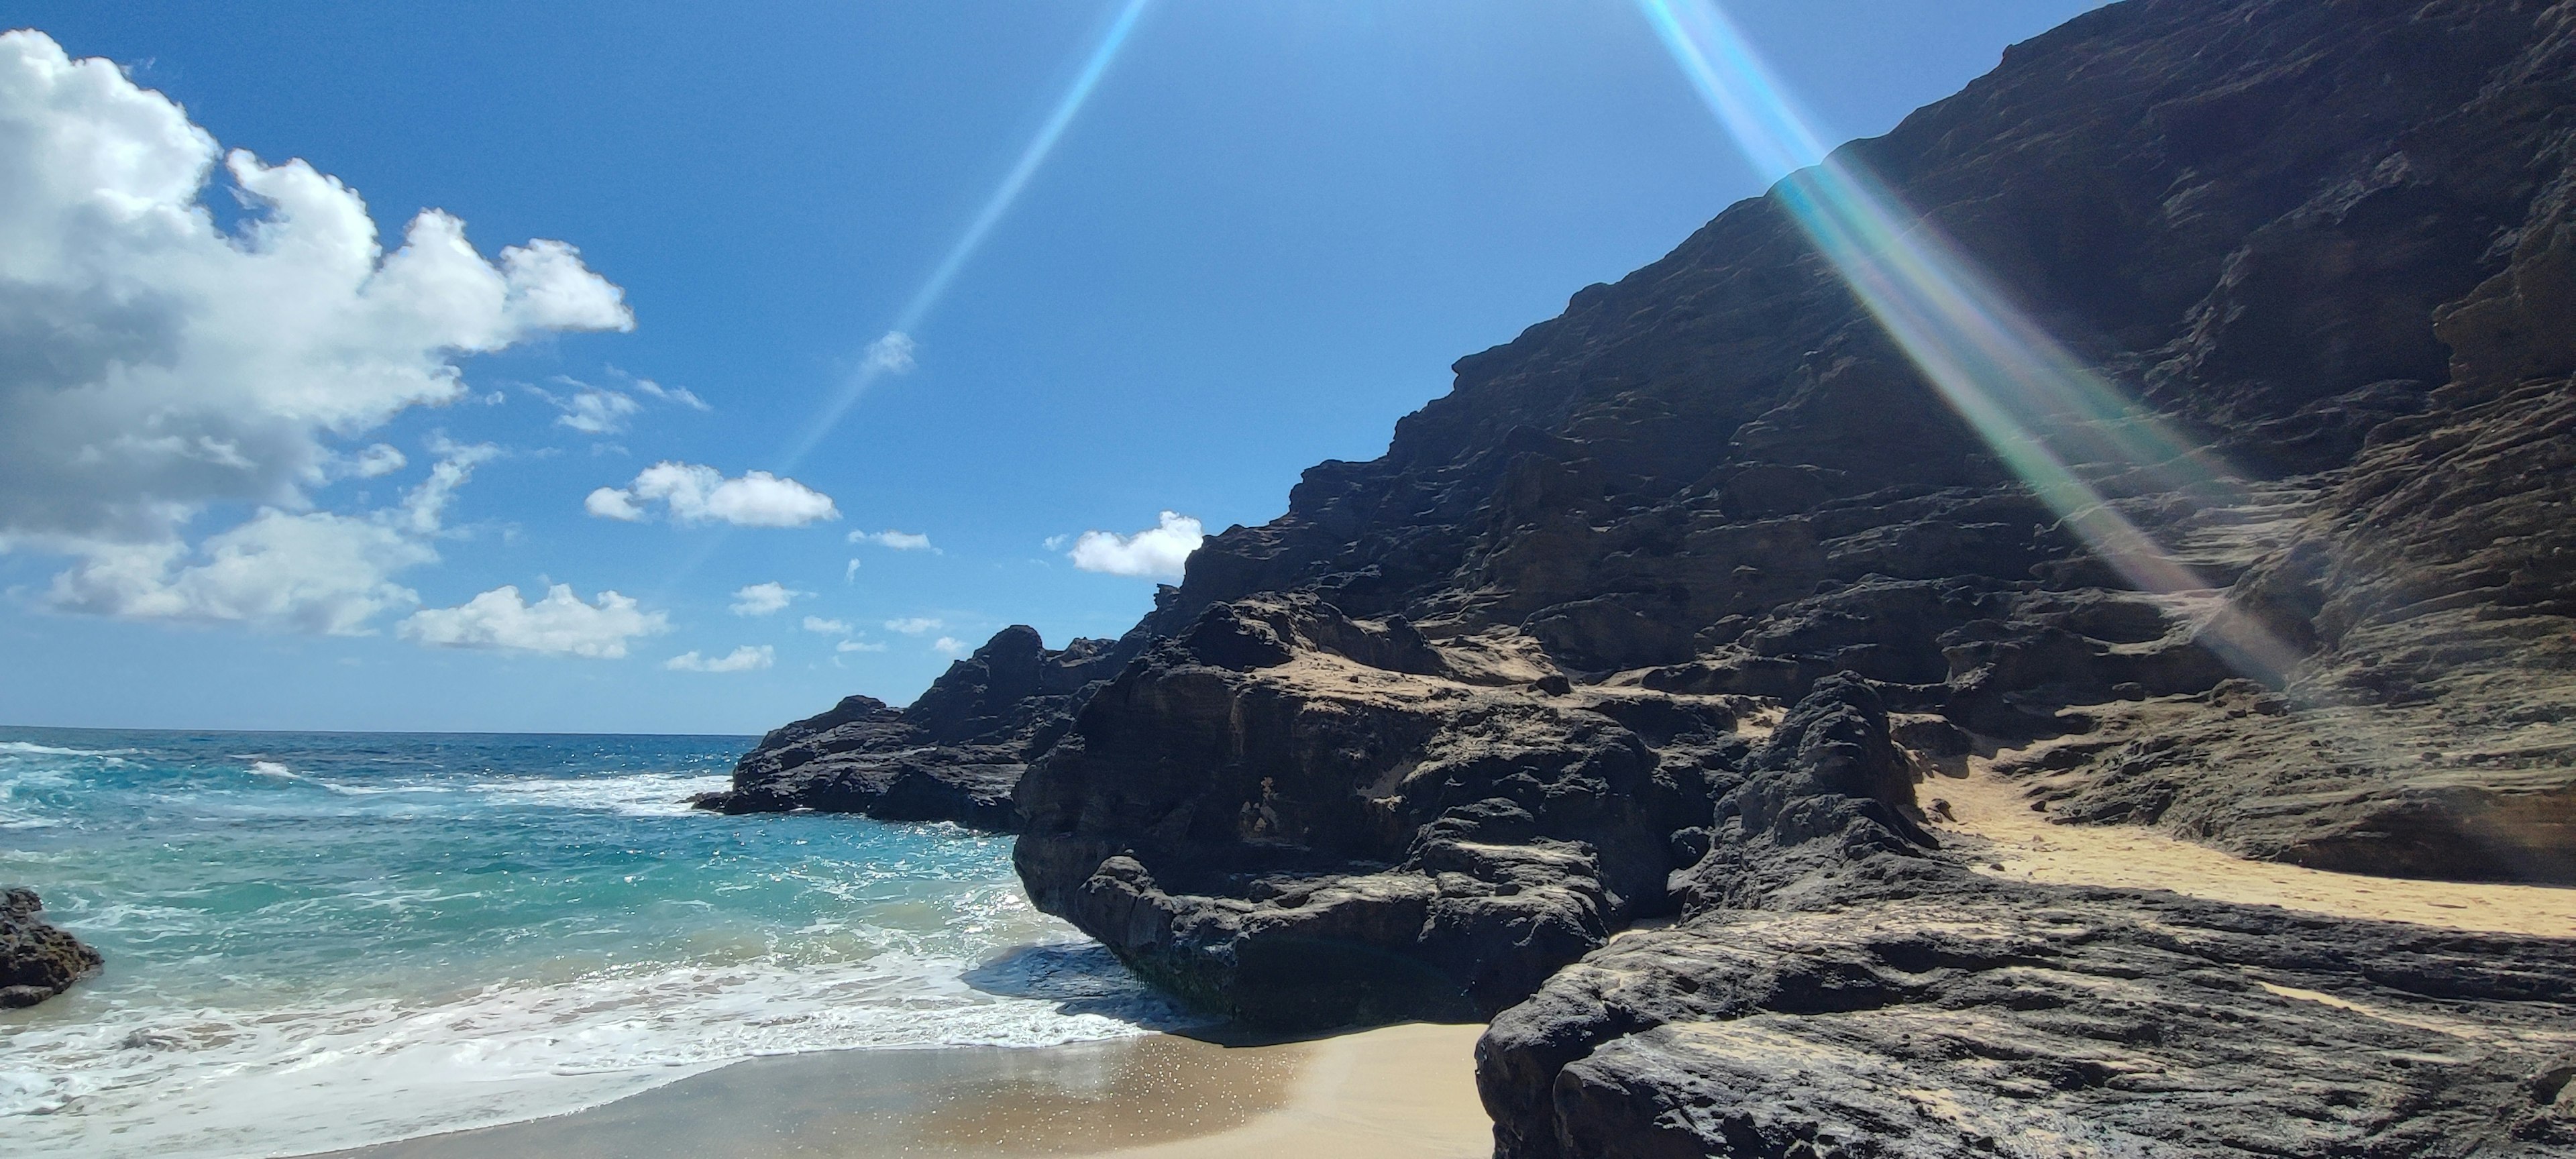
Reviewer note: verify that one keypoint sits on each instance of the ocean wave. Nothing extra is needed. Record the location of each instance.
(215, 1082)
(32, 749)
(631, 794)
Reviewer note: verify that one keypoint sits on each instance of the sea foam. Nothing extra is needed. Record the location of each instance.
(318, 942)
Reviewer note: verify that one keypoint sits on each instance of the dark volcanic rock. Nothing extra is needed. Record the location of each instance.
(954, 755)
(1302, 819)
(1628, 625)
(37, 960)
(1835, 988)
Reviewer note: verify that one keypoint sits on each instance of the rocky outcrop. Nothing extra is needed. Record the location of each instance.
(37, 959)
(1301, 819)
(1835, 988)
(955, 754)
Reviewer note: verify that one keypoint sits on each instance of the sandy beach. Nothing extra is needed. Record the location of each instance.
(1396, 1092)
(2026, 845)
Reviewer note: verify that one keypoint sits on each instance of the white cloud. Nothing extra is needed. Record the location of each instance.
(380, 459)
(857, 646)
(898, 540)
(743, 659)
(673, 394)
(950, 645)
(558, 625)
(312, 571)
(763, 599)
(700, 494)
(1057, 542)
(153, 364)
(1156, 551)
(604, 410)
(822, 627)
(914, 625)
(850, 574)
(611, 503)
(593, 411)
(891, 354)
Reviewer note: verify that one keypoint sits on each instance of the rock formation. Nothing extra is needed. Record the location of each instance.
(1653, 614)
(954, 754)
(37, 960)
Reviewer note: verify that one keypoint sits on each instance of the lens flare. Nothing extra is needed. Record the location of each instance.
(995, 207)
(1996, 367)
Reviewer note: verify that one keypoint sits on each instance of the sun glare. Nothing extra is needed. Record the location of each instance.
(1989, 360)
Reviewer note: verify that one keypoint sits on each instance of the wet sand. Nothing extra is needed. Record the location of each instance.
(2027, 846)
(1398, 1092)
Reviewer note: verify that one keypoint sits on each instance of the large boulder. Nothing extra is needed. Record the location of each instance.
(37, 959)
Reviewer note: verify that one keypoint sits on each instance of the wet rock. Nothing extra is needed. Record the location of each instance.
(37, 959)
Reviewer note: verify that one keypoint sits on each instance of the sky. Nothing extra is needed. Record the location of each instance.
(644, 367)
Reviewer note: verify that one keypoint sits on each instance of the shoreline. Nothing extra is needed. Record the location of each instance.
(1394, 1092)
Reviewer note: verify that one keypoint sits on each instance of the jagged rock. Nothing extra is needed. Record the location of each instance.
(1304, 819)
(1835, 987)
(955, 754)
(37, 959)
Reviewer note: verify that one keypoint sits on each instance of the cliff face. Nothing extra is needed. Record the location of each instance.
(1661, 611)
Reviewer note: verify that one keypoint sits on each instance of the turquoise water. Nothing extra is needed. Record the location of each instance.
(318, 940)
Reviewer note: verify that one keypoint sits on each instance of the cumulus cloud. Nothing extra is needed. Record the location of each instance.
(1157, 551)
(898, 540)
(311, 571)
(700, 494)
(153, 364)
(763, 599)
(950, 645)
(743, 659)
(822, 627)
(850, 574)
(891, 354)
(857, 646)
(558, 625)
(914, 625)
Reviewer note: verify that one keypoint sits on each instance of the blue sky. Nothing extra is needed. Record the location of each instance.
(1262, 238)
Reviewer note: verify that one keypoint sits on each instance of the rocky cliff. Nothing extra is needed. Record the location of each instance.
(1661, 610)
(37, 959)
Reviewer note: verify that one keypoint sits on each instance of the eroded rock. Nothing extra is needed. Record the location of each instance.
(37, 959)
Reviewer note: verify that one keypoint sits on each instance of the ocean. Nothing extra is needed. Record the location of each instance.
(320, 940)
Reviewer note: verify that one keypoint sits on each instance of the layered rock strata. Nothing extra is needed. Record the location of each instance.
(37, 959)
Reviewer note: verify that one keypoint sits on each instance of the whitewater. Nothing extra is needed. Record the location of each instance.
(318, 941)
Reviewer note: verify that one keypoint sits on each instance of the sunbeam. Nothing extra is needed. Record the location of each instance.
(926, 298)
(1994, 365)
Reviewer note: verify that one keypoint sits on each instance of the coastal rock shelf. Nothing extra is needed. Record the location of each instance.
(1662, 612)
(37, 959)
